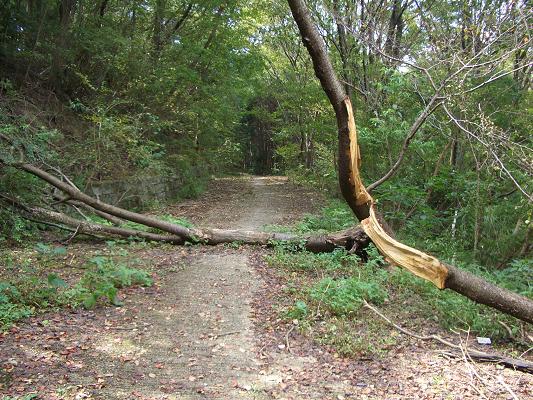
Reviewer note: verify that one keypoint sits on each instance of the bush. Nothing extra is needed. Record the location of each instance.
(102, 281)
(30, 294)
(10, 308)
(347, 295)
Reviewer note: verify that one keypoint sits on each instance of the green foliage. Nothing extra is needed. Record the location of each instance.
(294, 259)
(346, 295)
(183, 221)
(349, 284)
(299, 311)
(334, 217)
(30, 293)
(11, 309)
(23, 186)
(102, 281)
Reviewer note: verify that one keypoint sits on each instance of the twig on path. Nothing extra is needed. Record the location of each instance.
(287, 338)
(217, 335)
(473, 371)
(69, 239)
(475, 355)
(506, 386)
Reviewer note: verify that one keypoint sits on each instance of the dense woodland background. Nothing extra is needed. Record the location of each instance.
(106, 90)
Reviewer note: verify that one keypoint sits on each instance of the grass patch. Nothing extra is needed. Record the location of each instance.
(333, 217)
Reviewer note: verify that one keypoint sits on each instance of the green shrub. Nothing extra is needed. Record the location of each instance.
(345, 296)
(289, 257)
(102, 280)
(10, 308)
(334, 217)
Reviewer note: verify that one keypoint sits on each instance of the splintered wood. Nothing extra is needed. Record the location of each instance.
(416, 261)
(361, 195)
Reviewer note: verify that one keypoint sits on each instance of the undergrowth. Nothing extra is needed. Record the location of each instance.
(30, 292)
(327, 292)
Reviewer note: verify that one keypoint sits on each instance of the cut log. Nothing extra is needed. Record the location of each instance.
(362, 204)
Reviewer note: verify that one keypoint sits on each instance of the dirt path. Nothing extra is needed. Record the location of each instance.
(191, 336)
(199, 340)
(206, 329)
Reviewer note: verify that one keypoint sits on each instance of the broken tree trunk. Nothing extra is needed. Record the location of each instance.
(417, 262)
(352, 239)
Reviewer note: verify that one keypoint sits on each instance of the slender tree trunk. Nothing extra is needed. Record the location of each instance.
(343, 49)
(157, 41)
(395, 29)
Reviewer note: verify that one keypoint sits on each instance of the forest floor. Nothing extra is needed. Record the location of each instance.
(208, 328)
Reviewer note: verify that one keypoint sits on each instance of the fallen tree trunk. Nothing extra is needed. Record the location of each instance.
(91, 228)
(362, 204)
(76, 194)
(352, 239)
(73, 203)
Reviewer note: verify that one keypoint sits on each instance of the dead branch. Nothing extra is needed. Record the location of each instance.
(479, 356)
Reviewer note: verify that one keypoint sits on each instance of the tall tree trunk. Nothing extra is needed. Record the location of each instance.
(157, 40)
(395, 29)
(343, 49)
(102, 8)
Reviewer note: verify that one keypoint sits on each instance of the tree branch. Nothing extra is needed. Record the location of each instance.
(428, 110)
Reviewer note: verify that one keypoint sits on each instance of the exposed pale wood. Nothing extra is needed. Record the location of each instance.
(360, 193)
(419, 263)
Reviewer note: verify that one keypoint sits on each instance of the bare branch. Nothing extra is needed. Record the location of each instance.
(428, 110)
(490, 149)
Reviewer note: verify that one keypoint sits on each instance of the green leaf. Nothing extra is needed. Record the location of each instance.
(55, 281)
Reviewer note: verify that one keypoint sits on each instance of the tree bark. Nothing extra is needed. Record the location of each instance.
(358, 201)
(353, 239)
(417, 262)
